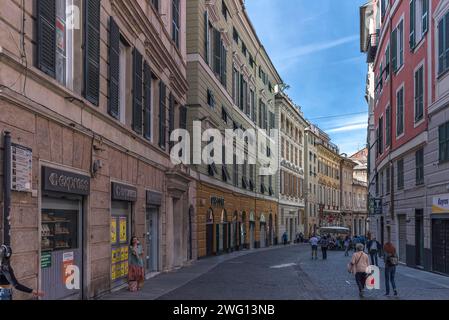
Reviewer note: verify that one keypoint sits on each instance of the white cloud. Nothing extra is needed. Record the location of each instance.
(293, 53)
(350, 127)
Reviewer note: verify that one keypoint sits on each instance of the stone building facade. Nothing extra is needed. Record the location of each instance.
(291, 193)
(231, 86)
(90, 103)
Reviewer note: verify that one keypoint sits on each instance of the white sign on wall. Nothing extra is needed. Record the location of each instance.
(21, 168)
(440, 204)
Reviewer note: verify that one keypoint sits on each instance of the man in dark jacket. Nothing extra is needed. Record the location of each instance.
(373, 248)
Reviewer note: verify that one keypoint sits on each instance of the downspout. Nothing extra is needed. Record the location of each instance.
(7, 188)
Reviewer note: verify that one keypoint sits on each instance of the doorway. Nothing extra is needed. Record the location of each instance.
(440, 245)
(419, 238)
(152, 243)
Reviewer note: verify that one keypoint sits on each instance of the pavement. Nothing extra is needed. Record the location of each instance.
(280, 273)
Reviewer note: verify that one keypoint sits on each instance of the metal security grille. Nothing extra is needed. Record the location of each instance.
(440, 245)
(402, 223)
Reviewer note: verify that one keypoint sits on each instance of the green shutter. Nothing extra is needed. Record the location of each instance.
(147, 101)
(412, 23)
(394, 49)
(206, 36)
(425, 16)
(441, 46)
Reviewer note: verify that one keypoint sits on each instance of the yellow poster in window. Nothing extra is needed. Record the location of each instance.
(122, 269)
(123, 236)
(113, 272)
(125, 249)
(126, 268)
(113, 230)
(114, 256)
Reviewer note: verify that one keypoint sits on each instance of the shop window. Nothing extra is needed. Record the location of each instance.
(59, 230)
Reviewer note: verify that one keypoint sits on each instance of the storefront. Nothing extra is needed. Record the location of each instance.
(61, 245)
(152, 227)
(440, 234)
(122, 196)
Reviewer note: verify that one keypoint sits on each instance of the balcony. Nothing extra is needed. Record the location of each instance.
(373, 42)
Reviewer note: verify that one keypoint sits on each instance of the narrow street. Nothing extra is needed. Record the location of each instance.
(281, 273)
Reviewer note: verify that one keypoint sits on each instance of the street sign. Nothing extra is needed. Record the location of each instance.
(375, 206)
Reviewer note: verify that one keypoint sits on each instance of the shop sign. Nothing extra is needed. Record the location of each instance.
(217, 202)
(154, 198)
(123, 192)
(45, 260)
(375, 206)
(21, 168)
(441, 204)
(64, 181)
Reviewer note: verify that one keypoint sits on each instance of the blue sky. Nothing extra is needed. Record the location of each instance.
(315, 48)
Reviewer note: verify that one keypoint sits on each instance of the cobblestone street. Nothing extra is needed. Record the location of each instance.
(280, 273)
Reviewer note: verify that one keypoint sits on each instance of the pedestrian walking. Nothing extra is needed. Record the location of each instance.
(285, 238)
(136, 275)
(391, 260)
(314, 243)
(8, 280)
(358, 266)
(347, 245)
(324, 243)
(373, 248)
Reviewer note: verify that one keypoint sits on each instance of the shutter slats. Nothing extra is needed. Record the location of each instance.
(147, 101)
(137, 92)
(162, 117)
(46, 34)
(114, 68)
(412, 24)
(394, 44)
(92, 51)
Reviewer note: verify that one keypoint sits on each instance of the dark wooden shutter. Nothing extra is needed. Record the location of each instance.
(46, 36)
(171, 117)
(114, 68)
(217, 51)
(183, 117)
(92, 51)
(412, 23)
(147, 101)
(137, 91)
(446, 41)
(224, 65)
(441, 46)
(206, 36)
(425, 16)
(162, 117)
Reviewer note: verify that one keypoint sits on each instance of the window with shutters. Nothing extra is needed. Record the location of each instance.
(419, 162)
(380, 138)
(443, 45)
(183, 117)
(388, 178)
(419, 21)
(210, 98)
(252, 114)
(400, 169)
(149, 86)
(235, 86)
(235, 35)
(243, 93)
(397, 47)
(236, 172)
(388, 126)
(419, 94)
(400, 112)
(176, 22)
(443, 140)
(58, 49)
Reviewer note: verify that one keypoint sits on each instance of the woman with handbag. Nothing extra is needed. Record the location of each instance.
(358, 266)
(136, 273)
(391, 261)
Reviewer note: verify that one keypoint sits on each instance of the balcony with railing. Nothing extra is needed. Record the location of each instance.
(373, 43)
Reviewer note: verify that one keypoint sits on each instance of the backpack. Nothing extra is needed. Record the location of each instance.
(393, 260)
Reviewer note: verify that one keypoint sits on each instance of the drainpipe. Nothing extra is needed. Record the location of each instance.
(7, 188)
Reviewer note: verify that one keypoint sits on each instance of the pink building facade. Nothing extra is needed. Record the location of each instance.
(407, 49)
